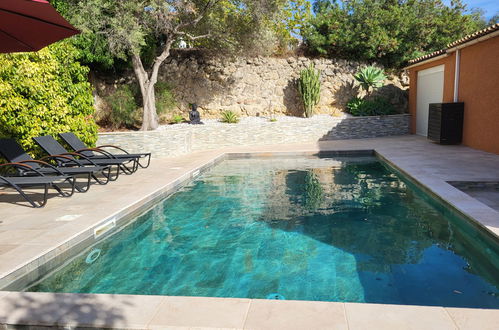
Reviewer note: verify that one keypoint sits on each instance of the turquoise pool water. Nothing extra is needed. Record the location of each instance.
(302, 228)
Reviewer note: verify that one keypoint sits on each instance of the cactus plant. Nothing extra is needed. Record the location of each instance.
(309, 86)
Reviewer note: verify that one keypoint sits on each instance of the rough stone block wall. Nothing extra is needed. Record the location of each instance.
(181, 139)
(266, 86)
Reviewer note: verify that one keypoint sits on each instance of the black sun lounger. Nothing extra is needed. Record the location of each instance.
(18, 183)
(78, 146)
(14, 153)
(54, 148)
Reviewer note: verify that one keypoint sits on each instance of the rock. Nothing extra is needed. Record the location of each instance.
(329, 72)
(404, 79)
(251, 101)
(399, 98)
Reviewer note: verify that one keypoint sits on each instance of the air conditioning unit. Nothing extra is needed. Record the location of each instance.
(445, 122)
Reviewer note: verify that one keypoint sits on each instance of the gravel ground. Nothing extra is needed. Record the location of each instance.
(259, 121)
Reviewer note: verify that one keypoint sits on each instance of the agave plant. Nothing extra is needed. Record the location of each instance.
(370, 78)
(229, 117)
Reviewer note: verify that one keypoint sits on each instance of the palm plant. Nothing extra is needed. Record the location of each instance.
(370, 78)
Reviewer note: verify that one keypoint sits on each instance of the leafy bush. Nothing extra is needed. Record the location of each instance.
(165, 99)
(309, 86)
(370, 78)
(177, 119)
(377, 106)
(355, 106)
(45, 93)
(123, 107)
(229, 117)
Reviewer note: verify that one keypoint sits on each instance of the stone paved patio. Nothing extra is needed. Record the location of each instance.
(29, 236)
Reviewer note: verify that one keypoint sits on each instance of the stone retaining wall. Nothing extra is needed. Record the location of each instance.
(262, 86)
(369, 127)
(181, 139)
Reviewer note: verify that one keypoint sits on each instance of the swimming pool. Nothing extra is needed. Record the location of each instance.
(301, 228)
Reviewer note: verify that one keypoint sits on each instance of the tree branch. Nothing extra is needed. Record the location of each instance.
(191, 37)
(209, 4)
(139, 67)
(160, 59)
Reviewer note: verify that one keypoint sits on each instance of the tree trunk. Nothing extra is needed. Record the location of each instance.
(150, 118)
(147, 83)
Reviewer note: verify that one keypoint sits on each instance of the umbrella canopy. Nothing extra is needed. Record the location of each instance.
(29, 25)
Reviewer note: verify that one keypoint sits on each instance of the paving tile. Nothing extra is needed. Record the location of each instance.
(33, 309)
(471, 319)
(116, 311)
(62, 233)
(197, 312)
(82, 310)
(397, 317)
(272, 314)
(14, 258)
(16, 236)
(4, 248)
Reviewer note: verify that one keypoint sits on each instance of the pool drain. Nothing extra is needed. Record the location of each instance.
(276, 296)
(92, 256)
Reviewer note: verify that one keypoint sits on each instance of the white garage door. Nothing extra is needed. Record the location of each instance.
(430, 90)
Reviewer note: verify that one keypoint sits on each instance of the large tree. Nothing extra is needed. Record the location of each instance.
(128, 27)
(387, 31)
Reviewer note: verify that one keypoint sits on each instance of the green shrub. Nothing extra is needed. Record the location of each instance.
(229, 117)
(45, 93)
(309, 86)
(355, 106)
(165, 99)
(177, 119)
(381, 107)
(377, 106)
(123, 107)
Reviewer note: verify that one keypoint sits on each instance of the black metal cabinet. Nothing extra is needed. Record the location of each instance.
(445, 122)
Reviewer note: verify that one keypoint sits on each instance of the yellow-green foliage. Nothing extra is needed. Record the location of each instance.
(229, 117)
(46, 92)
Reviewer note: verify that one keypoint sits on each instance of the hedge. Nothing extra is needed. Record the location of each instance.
(45, 93)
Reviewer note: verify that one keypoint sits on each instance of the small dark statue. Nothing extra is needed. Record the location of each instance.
(194, 116)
